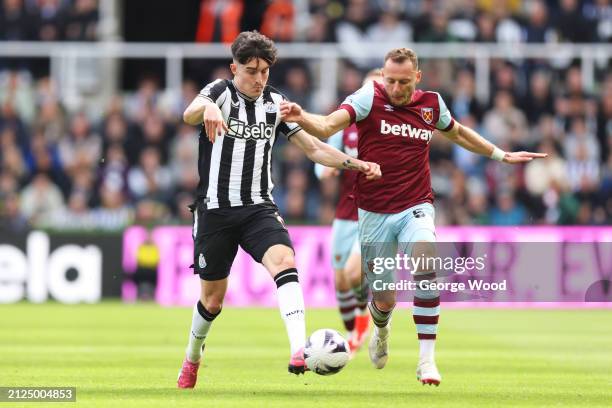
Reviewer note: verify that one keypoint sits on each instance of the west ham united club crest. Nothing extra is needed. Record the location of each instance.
(427, 115)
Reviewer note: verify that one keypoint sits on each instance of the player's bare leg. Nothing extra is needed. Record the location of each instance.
(205, 311)
(362, 315)
(381, 308)
(279, 260)
(426, 312)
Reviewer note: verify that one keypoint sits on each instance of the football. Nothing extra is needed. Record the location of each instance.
(326, 352)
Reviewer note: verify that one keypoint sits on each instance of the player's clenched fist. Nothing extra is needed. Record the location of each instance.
(290, 111)
(214, 123)
(371, 170)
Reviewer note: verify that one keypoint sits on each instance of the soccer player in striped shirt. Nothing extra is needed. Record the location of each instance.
(396, 122)
(240, 121)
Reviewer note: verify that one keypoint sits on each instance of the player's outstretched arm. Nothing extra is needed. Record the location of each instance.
(329, 156)
(203, 110)
(469, 139)
(317, 125)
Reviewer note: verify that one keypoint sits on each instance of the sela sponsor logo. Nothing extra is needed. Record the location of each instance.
(240, 130)
(70, 273)
(405, 130)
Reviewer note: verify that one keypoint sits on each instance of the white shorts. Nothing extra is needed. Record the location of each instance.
(345, 241)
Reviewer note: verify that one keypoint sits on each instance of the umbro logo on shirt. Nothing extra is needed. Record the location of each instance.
(389, 108)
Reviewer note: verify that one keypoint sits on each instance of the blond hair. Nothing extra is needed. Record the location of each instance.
(400, 55)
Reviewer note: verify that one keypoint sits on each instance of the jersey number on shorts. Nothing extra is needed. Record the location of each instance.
(418, 213)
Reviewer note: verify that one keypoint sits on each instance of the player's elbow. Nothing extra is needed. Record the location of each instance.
(190, 117)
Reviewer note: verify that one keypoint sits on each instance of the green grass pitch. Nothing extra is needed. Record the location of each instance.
(129, 355)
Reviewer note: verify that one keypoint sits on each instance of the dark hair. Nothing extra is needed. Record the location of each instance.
(252, 44)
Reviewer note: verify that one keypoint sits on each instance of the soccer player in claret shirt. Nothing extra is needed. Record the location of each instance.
(240, 121)
(351, 293)
(396, 122)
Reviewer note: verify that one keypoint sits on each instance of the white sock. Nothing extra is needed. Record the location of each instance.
(382, 332)
(426, 350)
(291, 306)
(200, 324)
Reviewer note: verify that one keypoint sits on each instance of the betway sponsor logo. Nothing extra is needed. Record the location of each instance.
(405, 130)
(240, 130)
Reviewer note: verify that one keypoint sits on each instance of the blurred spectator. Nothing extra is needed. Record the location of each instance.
(320, 29)
(438, 28)
(80, 148)
(16, 89)
(278, 20)
(184, 159)
(604, 121)
(539, 100)
(486, 28)
(41, 199)
(571, 25)
(507, 210)
(113, 213)
(297, 87)
(538, 29)
(505, 124)
(82, 21)
(219, 20)
(49, 20)
(15, 23)
(462, 24)
(464, 100)
(149, 178)
(389, 28)
(12, 219)
(600, 13)
(144, 99)
(352, 30)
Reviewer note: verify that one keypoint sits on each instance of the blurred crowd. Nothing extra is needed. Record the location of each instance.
(134, 161)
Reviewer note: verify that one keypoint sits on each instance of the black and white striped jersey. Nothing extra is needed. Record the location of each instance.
(235, 170)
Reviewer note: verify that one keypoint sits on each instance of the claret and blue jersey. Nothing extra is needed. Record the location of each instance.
(397, 138)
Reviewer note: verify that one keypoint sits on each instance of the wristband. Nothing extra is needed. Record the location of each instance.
(498, 154)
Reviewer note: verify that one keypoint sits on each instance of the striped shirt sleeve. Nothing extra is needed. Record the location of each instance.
(215, 91)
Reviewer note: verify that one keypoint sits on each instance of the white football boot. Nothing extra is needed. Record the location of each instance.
(427, 373)
(379, 347)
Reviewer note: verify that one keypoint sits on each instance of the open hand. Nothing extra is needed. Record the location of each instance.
(214, 123)
(522, 157)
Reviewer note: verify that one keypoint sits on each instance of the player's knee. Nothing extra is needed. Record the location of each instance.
(212, 303)
(385, 305)
(284, 261)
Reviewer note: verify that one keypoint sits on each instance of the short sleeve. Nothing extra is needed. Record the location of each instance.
(359, 104)
(287, 128)
(215, 91)
(445, 121)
